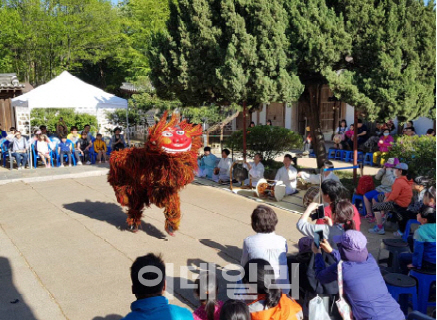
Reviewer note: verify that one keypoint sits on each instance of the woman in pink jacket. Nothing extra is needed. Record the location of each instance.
(384, 144)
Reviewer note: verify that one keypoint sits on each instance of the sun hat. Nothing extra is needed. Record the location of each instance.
(352, 246)
(402, 166)
(391, 162)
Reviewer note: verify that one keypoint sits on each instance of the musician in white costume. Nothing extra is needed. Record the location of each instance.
(288, 175)
(256, 169)
(315, 178)
(223, 169)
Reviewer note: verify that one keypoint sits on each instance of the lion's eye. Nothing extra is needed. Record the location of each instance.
(180, 132)
(167, 134)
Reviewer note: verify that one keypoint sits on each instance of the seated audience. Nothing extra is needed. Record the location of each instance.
(252, 124)
(387, 177)
(20, 149)
(391, 126)
(100, 148)
(363, 285)
(3, 133)
(43, 150)
(84, 145)
(430, 132)
(315, 178)
(397, 200)
(362, 132)
(349, 137)
(35, 138)
(333, 192)
(341, 221)
(234, 310)
(256, 169)
(65, 148)
(267, 245)
(384, 144)
(270, 303)
(269, 123)
(73, 136)
(117, 142)
(288, 175)
(424, 245)
(206, 291)
(223, 169)
(408, 124)
(207, 164)
(151, 303)
(339, 135)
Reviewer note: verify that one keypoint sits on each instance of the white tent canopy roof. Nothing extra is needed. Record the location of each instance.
(68, 91)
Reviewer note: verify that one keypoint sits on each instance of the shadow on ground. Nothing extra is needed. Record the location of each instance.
(12, 304)
(229, 253)
(109, 317)
(112, 214)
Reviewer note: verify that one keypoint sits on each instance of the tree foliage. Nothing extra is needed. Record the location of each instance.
(270, 141)
(50, 117)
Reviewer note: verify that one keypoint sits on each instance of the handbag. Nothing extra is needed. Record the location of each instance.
(317, 309)
(343, 307)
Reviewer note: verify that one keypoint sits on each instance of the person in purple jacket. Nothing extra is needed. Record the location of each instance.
(363, 285)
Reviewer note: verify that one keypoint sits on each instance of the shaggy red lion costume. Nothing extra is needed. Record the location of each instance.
(155, 174)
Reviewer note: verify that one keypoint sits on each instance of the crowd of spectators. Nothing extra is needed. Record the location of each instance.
(73, 147)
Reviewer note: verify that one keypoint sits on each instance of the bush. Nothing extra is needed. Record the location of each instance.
(268, 140)
(50, 118)
(418, 152)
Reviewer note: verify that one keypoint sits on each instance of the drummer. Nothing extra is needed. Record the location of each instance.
(315, 178)
(288, 175)
(256, 169)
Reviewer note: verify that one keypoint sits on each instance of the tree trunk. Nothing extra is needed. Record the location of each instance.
(312, 96)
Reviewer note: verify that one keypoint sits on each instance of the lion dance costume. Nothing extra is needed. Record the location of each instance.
(155, 173)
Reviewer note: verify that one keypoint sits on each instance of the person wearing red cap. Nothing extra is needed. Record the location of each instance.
(363, 285)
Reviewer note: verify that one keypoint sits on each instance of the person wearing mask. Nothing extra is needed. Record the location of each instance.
(342, 220)
(223, 169)
(20, 149)
(397, 200)
(315, 178)
(387, 177)
(206, 164)
(384, 144)
(149, 289)
(363, 285)
(288, 175)
(269, 303)
(267, 245)
(256, 169)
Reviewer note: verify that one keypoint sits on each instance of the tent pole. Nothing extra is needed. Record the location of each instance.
(30, 137)
(127, 125)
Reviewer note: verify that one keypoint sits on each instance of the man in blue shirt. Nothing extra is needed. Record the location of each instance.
(148, 286)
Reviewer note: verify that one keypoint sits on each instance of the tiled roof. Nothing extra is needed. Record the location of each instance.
(10, 81)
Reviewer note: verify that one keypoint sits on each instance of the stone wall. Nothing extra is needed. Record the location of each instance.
(22, 119)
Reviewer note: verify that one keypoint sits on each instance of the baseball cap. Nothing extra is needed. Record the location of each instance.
(391, 162)
(352, 246)
(402, 166)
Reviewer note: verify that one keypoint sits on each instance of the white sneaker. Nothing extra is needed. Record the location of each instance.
(79, 163)
(19, 168)
(88, 162)
(62, 165)
(69, 165)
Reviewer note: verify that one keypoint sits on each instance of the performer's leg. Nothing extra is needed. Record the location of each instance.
(172, 213)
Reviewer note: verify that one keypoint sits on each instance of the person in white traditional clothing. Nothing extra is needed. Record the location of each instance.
(288, 175)
(223, 169)
(315, 178)
(256, 169)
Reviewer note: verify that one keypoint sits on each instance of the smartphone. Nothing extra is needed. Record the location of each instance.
(318, 236)
(319, 214)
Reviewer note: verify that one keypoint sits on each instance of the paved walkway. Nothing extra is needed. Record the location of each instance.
(64, 253)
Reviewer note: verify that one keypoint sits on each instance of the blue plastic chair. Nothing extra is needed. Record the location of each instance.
(339, 154)
(360, 156)
(331, 153)
(359, 197)
(424, 281)
(5, 151)
(416, 315)
(400, 284)
(347, 156)
(408, 229)
(368, 159)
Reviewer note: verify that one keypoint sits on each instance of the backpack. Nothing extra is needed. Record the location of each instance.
(365, 184)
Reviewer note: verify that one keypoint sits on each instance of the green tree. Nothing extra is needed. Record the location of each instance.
(225, 52)
(50, 118)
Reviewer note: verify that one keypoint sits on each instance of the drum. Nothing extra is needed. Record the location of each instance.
(312, 195)
(239, 173)
(270, 189)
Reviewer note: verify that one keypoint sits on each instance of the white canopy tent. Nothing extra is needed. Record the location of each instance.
(68, 91)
